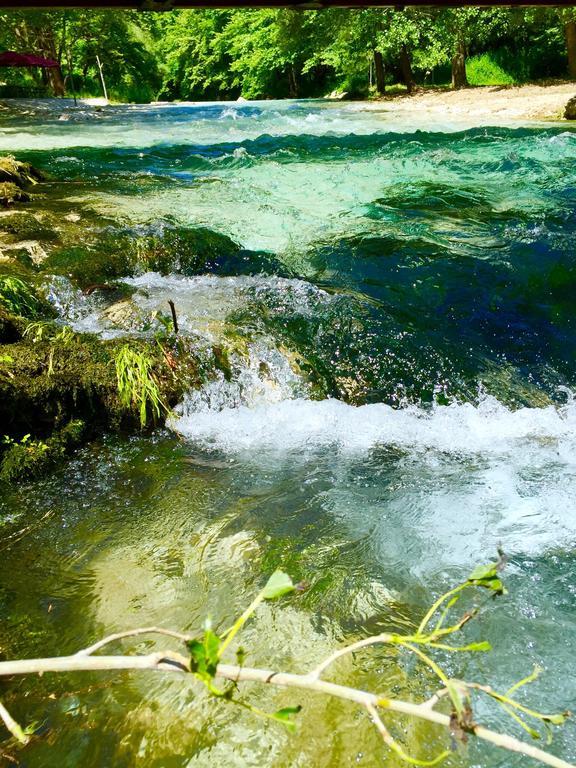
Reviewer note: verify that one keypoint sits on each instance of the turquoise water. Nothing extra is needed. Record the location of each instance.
(400, 405)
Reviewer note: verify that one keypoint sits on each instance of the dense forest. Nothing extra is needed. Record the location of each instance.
(224, 54)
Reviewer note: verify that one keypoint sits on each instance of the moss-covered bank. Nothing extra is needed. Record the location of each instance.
(58, 388)
(61, 390)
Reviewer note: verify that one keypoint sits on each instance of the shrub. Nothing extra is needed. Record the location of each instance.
(484, 70)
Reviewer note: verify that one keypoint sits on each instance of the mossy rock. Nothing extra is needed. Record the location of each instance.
(47, 384)
(18, 173)
(176, 250)
(182, 251)
(25, 226)
(11, 193)
(89, 266)
(11, 329)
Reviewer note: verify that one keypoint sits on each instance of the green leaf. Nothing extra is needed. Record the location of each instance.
(198, 663)
(483, 646)
(211, 647)
(204, 654)
(286, 717)
(555, 719)
(482, 572)
(487, 576)
(278, 584)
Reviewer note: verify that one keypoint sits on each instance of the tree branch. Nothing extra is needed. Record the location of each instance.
(169, 661)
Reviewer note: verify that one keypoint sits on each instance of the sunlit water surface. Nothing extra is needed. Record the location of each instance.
(427, 280)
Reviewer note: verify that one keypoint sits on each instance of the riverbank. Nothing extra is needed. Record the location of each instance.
(484, 104)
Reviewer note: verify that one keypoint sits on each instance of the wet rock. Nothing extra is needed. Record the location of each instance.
(570, 109)
(11, 193)
(22, 175)
(29, 253)
(127, 315)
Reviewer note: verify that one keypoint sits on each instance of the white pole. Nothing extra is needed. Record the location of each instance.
(102, 77)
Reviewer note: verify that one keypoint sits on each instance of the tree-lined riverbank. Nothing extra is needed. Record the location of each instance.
(224, 54)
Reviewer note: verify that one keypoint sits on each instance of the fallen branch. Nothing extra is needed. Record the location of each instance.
(169, 661)
(202, 661)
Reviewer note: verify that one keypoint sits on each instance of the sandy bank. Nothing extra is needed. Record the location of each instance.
(503, 103)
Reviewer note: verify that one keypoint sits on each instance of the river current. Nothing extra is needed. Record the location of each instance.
(401, 407)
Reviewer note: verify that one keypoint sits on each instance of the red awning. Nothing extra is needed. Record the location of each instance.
(13, 59)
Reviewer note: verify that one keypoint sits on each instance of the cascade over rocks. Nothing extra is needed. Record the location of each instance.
(59, 388)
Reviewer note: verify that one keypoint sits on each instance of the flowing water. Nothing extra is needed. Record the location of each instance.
(398, 405)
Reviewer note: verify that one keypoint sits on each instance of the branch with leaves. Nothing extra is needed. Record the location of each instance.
(450, 707)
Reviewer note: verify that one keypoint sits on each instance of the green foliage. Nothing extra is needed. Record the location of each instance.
(484, 70)
(137, 387)
(30, 457)
(19, 298)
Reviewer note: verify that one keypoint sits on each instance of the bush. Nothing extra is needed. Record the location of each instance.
(483, 69)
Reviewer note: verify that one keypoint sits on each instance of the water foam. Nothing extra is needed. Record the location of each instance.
(486, 428)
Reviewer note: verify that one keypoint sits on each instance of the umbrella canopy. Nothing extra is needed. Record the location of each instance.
(13, 59)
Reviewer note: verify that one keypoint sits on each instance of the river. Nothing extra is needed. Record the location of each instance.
(401, 405)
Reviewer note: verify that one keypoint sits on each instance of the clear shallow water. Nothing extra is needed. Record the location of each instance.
(399, 405)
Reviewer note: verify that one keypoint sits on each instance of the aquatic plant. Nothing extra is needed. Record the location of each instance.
(30, 457)
(137, 387)
(18, 297)
(451, 706)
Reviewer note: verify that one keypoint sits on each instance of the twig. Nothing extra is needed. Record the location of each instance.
(364, 643)
(133, 633)
(12, 725)
(174, 316)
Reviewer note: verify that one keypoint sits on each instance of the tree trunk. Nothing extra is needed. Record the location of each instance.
(459, 79)
(45, 41)
(406, 70)
(292, 82)
(570, 33)
(379, 73)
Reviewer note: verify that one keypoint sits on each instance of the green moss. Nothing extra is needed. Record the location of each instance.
(62, 378)
(25, 226)
(115, 255)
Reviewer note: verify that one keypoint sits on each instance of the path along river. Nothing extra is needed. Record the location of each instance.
(402, 407)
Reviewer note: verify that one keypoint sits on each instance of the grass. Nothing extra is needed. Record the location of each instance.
(137, 387)
(19, 298)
